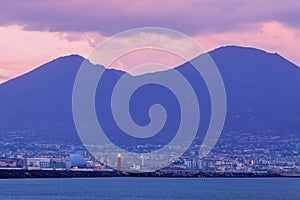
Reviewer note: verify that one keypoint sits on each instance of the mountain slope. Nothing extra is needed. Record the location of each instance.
(40, 101)
(261, 89)
(262, 93)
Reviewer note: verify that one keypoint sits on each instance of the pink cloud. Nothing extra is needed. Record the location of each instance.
(270, 36)
(138, 58)
(22, 50)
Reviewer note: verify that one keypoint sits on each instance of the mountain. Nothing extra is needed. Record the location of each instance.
(261, 90)
(262, 96)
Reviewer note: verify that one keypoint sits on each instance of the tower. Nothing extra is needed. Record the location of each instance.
(119, 164)
(142, 160)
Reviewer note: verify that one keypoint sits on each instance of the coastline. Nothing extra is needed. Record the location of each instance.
(21, 174)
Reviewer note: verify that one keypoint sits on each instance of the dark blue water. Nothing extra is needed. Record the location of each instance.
(151, 188)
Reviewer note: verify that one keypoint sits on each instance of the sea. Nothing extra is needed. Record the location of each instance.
(150, 188)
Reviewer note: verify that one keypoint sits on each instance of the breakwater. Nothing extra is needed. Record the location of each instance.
(5, 174)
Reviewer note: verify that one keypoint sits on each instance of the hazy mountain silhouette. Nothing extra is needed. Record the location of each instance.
(262, 94)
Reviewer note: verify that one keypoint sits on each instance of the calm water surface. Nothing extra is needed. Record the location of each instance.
(151, 188)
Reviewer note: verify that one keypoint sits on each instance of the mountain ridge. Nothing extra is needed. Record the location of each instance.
(261, 91)
(78, 56)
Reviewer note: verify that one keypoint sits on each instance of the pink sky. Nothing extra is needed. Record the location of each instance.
(34, 32)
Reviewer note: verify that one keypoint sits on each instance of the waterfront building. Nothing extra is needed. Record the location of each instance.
(77, 161)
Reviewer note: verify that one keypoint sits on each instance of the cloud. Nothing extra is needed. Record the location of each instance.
(112, 16)
(33, 32)
(23, 50)
(273, 37)
(3, 77)
(269, 36)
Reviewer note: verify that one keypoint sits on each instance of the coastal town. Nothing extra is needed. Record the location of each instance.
(234, 152)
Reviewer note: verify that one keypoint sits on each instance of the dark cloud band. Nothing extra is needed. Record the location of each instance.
(109, 17)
